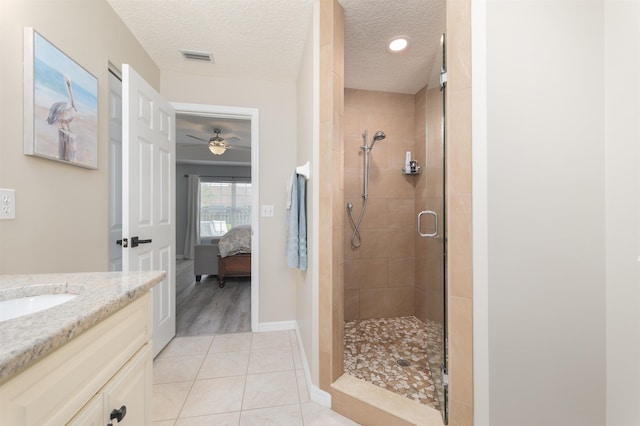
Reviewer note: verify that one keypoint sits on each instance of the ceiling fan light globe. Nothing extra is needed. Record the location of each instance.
(217, 148)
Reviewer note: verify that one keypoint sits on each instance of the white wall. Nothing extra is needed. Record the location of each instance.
(276, 102)
(307, 282)
(622, 100)
(61, 210)
(546, 213)
(621, 65)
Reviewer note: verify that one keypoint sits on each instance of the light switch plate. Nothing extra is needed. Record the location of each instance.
(7, 203)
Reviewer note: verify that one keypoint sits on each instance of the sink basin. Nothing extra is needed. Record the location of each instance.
(14, 308)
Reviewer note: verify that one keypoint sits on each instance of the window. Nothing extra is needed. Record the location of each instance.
(223, 205)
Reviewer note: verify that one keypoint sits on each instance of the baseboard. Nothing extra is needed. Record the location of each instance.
(276, 326)
(315, 393)
(318, 395)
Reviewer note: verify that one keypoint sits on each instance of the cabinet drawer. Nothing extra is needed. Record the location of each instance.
(53, 390)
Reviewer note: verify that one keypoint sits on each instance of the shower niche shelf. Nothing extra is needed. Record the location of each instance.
(412, 173)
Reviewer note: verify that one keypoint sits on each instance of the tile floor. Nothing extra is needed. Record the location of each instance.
(235, 379)
(373, 348)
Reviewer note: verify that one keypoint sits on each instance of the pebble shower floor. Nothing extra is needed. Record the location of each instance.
(373, 348)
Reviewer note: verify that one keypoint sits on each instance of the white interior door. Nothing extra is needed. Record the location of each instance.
(148, 195)
(115, 172)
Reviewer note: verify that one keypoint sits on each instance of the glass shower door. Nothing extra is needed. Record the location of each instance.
(432, 246)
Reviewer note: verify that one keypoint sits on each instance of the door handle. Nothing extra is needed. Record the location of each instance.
(435, 216)
(135, 241)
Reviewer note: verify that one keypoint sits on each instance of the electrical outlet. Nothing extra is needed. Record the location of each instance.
(267, 210)
(7, 203)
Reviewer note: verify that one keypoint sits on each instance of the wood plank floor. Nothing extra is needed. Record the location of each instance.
(204, 308)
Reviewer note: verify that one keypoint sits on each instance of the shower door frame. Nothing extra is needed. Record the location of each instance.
(445, 275)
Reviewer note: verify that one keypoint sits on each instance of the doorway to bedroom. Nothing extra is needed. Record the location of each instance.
(216, 191)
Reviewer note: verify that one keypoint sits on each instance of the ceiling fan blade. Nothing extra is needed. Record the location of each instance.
(232, 139)
(200, 139)
(234, 147)
(239, 147)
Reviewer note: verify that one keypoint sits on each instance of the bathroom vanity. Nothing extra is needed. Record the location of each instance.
(87, 361)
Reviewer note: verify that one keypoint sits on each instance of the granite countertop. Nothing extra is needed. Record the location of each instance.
(27, 339)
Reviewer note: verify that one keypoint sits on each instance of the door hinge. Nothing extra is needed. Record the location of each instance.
(445, 375)
(443, 79)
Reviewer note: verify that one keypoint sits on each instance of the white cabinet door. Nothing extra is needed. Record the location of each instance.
(127, 394)
(92, 414)
(148, 195)
(130, 390)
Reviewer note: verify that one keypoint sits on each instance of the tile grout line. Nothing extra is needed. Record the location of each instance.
(246, 374)
(193, 382)
(295, 374)
(293, 370)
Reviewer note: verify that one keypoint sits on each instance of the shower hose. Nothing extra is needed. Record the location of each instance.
(355, 237)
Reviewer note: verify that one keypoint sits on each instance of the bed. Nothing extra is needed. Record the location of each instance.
(234, 259)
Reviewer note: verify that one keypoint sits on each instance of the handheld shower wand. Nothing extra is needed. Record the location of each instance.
(366, 148)
(367, 161)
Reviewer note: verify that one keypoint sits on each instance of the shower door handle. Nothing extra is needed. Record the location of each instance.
(435, 216)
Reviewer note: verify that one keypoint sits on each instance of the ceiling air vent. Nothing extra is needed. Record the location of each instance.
(194, 55)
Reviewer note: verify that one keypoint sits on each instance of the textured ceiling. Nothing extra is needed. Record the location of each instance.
(371, 24)
(257, 39)
(264, 40)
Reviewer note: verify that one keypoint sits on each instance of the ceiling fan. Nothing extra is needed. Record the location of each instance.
(218, 145)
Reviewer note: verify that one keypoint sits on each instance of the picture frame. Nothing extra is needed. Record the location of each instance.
(60, 105)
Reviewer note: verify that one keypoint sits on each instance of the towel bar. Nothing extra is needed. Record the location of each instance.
(304, 170)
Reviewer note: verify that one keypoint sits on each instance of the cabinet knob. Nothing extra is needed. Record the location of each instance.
(118, 415)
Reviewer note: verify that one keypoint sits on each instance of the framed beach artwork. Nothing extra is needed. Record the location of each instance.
(60, 105)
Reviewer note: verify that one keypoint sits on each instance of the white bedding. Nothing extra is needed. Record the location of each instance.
(236, 241)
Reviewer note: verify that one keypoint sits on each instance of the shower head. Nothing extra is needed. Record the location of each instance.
(378, 137)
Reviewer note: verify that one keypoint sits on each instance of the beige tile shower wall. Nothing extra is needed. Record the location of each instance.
(338, 179)
(379, 277)
(331, 83)
(458, 199)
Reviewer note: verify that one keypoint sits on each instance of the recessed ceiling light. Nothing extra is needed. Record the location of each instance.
(398, 44)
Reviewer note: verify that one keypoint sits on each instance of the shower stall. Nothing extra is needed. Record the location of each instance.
(395, 240)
